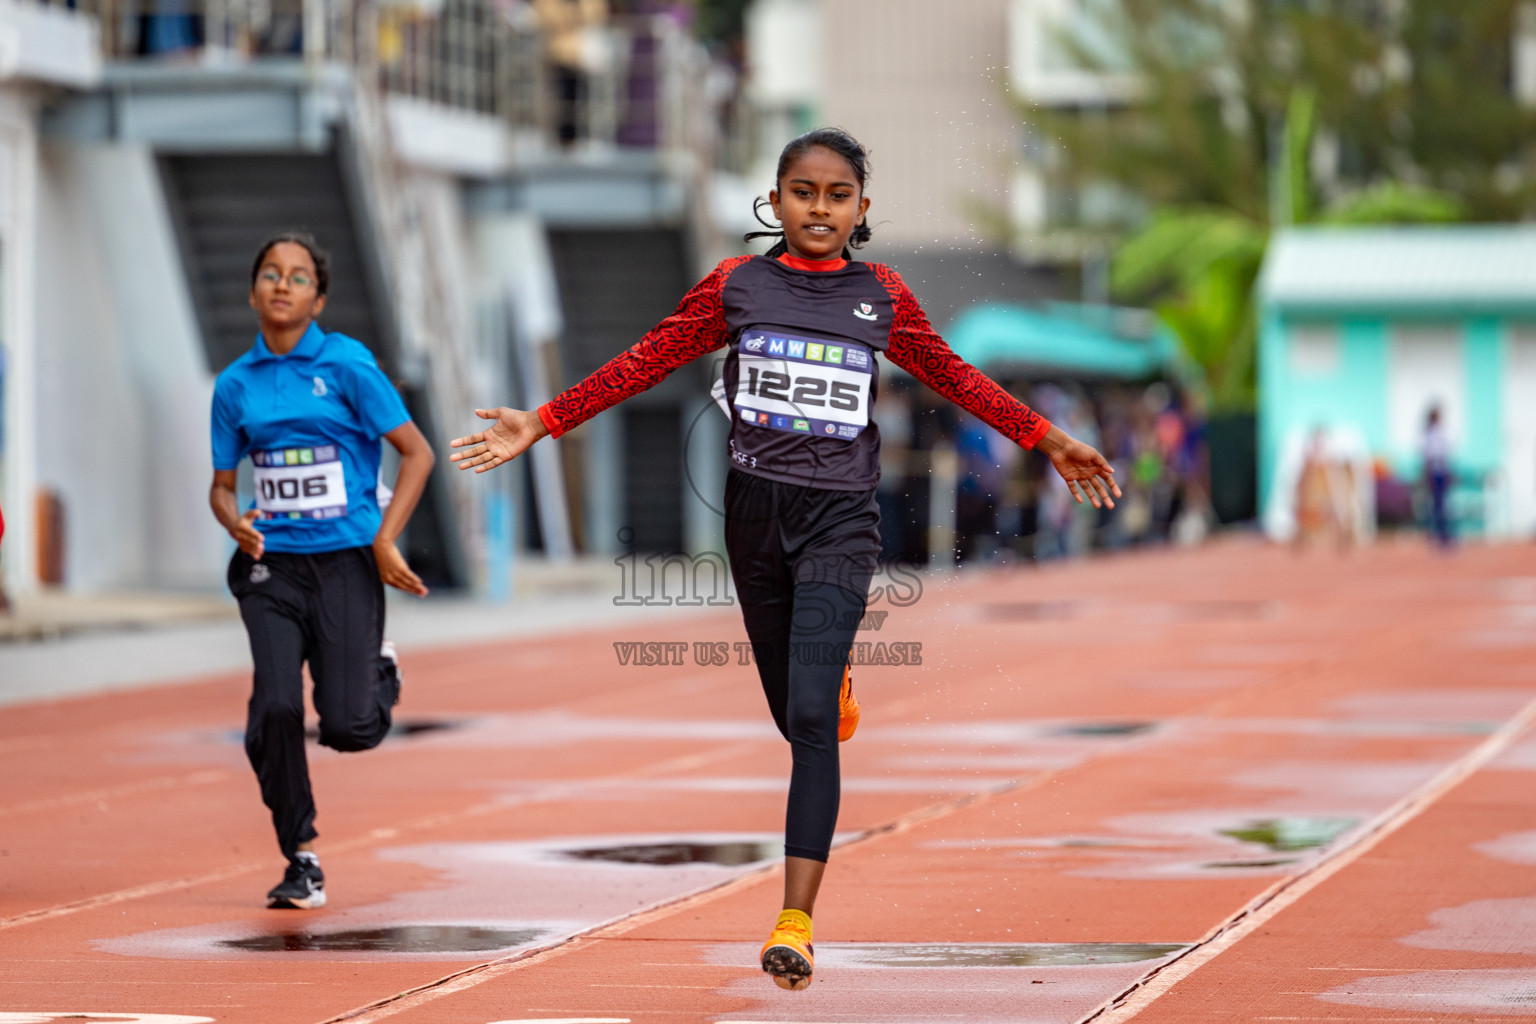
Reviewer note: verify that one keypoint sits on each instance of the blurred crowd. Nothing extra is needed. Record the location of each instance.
(582, 69)
(171, 26)
(945, 474)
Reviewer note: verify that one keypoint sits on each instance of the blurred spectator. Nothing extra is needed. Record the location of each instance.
(1394, 498)
(1437, 476)
(893, 417)
(640, 122)
(1063, 527)
(281, 30)
(1006, 504)
(1323, 496)
(985, 460)
(1195, 517)
(576, 50)
(169, 27)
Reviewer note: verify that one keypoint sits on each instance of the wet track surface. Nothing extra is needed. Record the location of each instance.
(1096, 776)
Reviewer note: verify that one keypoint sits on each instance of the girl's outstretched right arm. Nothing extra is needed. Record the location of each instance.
(504, 440)
(695, 329)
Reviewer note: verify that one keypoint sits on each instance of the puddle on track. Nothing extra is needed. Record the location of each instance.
(1182, 611)
(402, 727)
(1027, 611)
(1221, 611)
(405, 727)
(417, 726)
(1287, 834)
(1105, 729)
(987, 954)
(414, 938)
(1238, 865)
(730, 854)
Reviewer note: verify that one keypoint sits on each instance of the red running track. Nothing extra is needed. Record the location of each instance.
(1222, 785)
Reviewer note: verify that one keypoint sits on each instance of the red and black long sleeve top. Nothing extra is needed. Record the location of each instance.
(800, 375)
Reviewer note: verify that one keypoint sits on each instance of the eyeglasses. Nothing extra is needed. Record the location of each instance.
(296, 279)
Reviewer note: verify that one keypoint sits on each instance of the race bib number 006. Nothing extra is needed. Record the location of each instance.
(301, 483)
(804, 386)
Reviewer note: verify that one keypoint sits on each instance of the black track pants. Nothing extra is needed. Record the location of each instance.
(802, 560)
(327, 609)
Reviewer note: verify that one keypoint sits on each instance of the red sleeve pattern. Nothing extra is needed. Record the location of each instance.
(917, 348)
(696, 328)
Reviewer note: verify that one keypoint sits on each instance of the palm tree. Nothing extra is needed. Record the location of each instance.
(1219, 142)
(1202, 260)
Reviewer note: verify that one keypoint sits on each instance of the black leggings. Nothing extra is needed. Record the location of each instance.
(802, 559)
(327, 609)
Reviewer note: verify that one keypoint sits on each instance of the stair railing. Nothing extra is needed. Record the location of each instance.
(432, 335)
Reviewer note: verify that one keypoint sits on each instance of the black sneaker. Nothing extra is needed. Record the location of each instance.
(302, 887)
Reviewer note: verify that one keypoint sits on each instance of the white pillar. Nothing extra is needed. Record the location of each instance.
(18, 256)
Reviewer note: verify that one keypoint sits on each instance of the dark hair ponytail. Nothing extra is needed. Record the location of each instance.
(839, 142)
(322, 261)
(778, 248)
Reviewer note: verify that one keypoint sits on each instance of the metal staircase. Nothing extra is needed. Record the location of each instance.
(225, 205)
(349, 119)
(614, 286)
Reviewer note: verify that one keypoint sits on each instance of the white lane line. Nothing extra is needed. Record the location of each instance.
(479, 974)
(1287, 891)
(17, 1017)
(114, 792)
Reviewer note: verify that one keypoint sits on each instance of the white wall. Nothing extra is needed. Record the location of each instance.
(123, 385)
(785, 41)
(1427, 367)
(49, 44)
(18, 222)
(924, 86)
(1520, 431)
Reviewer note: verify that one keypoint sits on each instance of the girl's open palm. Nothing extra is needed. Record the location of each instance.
(512, 433)
(1086, 473)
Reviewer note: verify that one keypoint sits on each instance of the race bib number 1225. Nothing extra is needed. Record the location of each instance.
(799, 385)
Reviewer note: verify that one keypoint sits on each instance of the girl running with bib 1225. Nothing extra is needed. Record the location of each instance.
(803, 325)
(309, 408)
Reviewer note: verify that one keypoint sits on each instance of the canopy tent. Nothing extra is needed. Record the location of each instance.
(1064, 340)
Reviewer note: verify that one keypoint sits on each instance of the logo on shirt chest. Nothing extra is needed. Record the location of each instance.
(866, 311)
(319, 390)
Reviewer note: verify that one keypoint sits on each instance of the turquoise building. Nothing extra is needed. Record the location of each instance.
(1362, 330)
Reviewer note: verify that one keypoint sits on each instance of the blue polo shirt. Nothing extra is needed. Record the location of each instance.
(311, 422)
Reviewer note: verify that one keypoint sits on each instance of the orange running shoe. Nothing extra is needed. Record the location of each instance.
(847, 708)
(787, 953)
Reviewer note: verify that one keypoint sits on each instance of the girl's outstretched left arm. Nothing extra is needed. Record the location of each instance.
(917, 348)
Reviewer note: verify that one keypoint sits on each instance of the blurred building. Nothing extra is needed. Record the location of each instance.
(924, 87)
(1363, 331)
(1056, 220)
(44, 51)
(508, 191)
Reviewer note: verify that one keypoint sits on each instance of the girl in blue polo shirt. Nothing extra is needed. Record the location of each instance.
(309, 408)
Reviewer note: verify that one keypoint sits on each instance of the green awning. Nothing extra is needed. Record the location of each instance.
(1063, 340)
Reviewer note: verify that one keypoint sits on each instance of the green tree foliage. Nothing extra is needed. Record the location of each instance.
(1404, 105)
